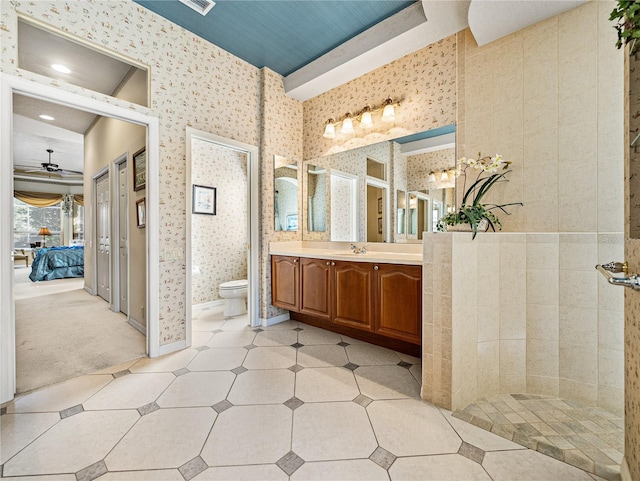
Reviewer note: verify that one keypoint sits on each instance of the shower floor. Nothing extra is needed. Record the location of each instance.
(587, 437)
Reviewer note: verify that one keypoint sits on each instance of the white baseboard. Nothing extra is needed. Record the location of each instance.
(625, 474)
(204, 305)
(138, 326)
(172, 347)
(275, 320)
(89, 290)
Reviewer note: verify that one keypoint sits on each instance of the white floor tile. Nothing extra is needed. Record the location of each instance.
(408, 427)
(60, 396)
(527, 465)
(232, 339)
(270, 358)
(262, 387)
(437, 468)
(284, 325)
(200, 338)
(18, 430)
(274, 337)
(167, 363)
(155, 475)
(322, 356)
(207, 325)
(326, 384)
(72, 444)
(352, 470)
(218, 359)
(387, 382)
(50, 477)
(240, 323)
(313, 336)
(197, 389)
(480, 438)
(264, 472)
(249, 435)
(167, 438)
(130, 392)
(370, 355)
(332, 431)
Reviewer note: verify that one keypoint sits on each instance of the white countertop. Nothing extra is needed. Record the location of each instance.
(382, 253)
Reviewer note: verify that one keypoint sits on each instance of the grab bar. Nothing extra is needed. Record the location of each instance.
(632, 281)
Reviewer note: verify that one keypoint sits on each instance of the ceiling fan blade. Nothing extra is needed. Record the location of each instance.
(72, 172)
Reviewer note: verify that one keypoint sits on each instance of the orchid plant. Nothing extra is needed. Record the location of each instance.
(491, 170)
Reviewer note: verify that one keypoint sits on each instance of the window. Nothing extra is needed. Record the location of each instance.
(78, 222)
(28, 220)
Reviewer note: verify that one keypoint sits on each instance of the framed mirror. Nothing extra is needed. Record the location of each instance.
(285, 197)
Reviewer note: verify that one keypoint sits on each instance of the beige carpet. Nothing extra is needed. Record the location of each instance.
(67, 334)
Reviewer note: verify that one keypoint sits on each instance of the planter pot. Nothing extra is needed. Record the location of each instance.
(483, 226)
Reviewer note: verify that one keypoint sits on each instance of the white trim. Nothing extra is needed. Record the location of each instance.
(171, 347)
(207, 305)
(253, 242)
(9, 85)
(625, 474)
(115, 231)
(89, 290)
(106, 170)
(270, 321)
(137, 326)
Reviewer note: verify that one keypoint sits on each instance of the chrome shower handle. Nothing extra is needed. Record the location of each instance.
(632, 281)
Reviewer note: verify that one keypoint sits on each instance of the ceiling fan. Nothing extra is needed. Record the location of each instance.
(52, 168)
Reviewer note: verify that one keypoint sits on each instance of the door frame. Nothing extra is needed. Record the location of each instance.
(10, 85)
(115, 232)
(253, 241)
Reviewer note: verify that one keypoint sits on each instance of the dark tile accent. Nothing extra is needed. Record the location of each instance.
(217, 331)
(239, 370)
(383, 458)
(351, 366)
(65, 413)
(550, 450)
(222, 406)
(472, 452)
(363, 400)
(148, 408)
(1, 470)
(296, 368)
(3, 411)
(343, 344)
(293, 403)
(92, 472)
(258, 330)
(250, 346)
(297, 345)
(290, 463)
(298, 329)
(202, 348)
(181, 372)
(405, 364)
(191, 469)
(118, 374)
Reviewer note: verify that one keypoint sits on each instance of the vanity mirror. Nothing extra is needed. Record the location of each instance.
(285, 202)
(364, 190)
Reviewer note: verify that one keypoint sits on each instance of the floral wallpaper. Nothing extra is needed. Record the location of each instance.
(193, 83)
(419, 166)
(218, 241)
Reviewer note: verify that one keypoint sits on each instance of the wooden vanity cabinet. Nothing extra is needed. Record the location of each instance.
(352, 292)
(315, 288)
(285, 282)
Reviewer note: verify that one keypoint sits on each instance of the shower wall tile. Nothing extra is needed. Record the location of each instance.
(543, 322)
(542, 358)
(513, 361)
(611, 368)
(578, 325)
(543, 385)
(579, 363)
(611, 399)
(582, 392)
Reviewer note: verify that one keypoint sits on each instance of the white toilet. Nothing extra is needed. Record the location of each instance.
(235, 293)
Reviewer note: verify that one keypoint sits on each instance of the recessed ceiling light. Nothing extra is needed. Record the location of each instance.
(47, 117)
(60, 68)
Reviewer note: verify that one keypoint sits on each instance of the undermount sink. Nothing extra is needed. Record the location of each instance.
(342, 253)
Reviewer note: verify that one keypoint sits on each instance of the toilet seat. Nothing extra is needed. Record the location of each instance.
(234, 284)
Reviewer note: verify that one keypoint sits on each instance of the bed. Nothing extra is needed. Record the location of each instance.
(57, 263)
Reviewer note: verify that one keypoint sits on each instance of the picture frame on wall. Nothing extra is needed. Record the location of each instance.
(204, 200)
(140, 169)
(141, 213)
(379, 225)
(379, 205)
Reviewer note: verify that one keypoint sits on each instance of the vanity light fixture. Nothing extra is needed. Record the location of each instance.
(432, 177)
(441, 175)
(60, 68)
(444, 175)
(364, 117)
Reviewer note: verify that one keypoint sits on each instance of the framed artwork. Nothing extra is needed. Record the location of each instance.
(141, 213)
(204, 200)
(379, 205)
(379, 225)
(140, 169)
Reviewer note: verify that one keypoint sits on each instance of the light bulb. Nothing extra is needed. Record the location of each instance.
(388, 113)
(329, 130)
(366, 122)
(432, 177)
(347, 125)
(444, 175)
(60, 68)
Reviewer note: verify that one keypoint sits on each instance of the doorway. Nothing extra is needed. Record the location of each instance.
(344, 207)
(103, 236)
(245, 203)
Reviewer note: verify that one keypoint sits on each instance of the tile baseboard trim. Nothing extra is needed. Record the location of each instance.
(171, 347)
(275, 320)
(625, 474)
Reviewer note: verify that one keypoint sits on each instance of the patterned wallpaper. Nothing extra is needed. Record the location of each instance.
(218, 241)
(419, 166)
(193, 83)
(424, 82)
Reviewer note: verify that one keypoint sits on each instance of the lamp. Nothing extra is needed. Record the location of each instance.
(44, 231)
(444, 175)
(347, 125)
(432, 177)
(366, 122)
(329, 129)
(364, 117)
(388, 113)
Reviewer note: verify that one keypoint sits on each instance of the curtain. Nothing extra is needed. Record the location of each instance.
(78, 198)
(38, 199)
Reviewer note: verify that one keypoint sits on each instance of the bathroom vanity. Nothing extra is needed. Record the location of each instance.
(374, 296)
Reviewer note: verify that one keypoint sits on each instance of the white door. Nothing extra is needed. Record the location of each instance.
(103, 237)
(123, 230)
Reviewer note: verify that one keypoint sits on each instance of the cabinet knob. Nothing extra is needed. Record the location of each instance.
(375, 268)
(328, 263)
(295, 261)
(333, 263)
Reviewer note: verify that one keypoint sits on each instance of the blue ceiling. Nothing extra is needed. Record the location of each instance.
(283, 35)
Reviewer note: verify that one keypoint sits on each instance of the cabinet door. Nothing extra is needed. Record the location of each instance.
(315, 287)
(399, 302)
(352, 305)
(285, 282)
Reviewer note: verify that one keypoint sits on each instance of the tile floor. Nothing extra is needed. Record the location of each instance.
(245, 404)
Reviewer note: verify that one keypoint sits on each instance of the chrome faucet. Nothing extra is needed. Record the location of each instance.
(359, 250)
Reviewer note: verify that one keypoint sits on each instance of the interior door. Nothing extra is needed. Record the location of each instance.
(103, 237)
(123, 230)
